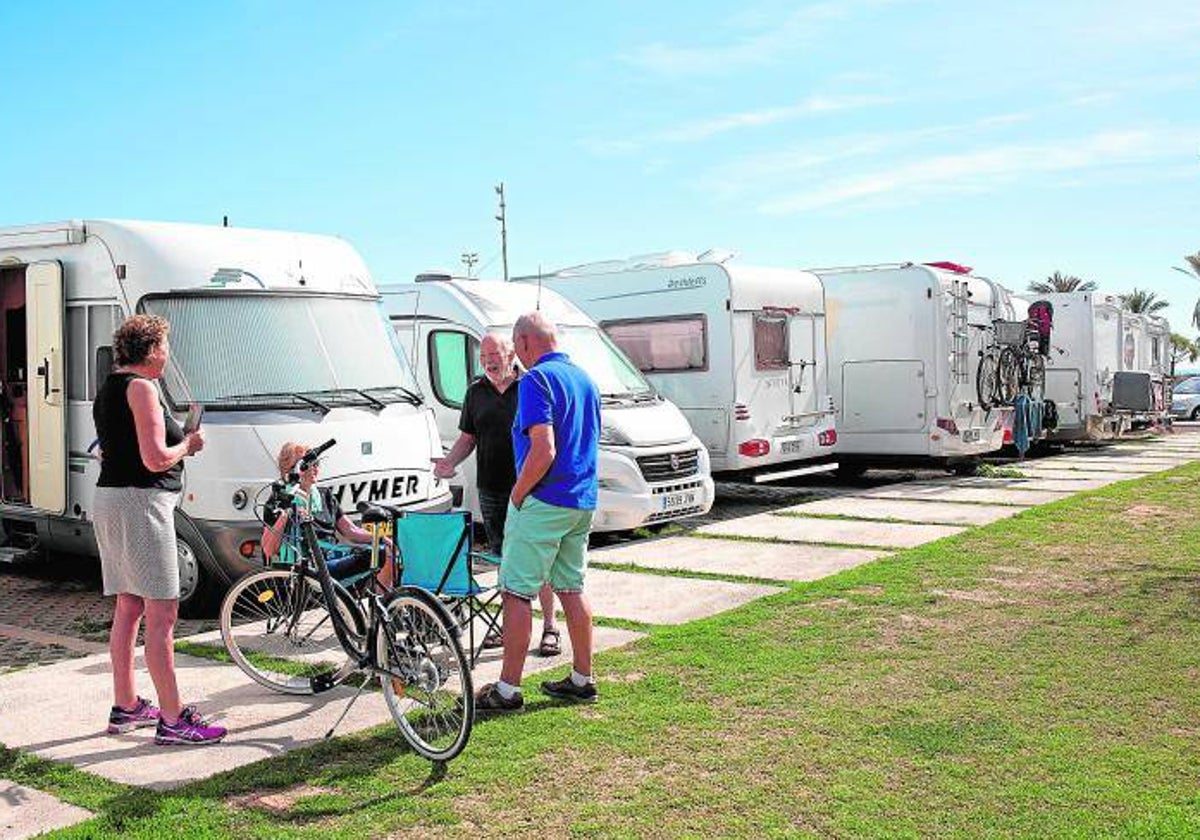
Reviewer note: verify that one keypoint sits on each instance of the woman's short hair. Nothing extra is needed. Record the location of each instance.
(289, 454)
(137, 336)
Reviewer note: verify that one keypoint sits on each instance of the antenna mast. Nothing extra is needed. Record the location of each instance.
(502, 218)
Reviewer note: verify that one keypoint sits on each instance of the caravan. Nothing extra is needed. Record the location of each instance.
(652, 468)
(905, 343)
(278, 335)
(740, 349)
(1096, 344)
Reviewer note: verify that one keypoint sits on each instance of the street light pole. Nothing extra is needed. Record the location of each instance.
(469, 259)
(502, 218)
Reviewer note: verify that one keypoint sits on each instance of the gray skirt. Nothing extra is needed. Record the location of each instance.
(135, 532)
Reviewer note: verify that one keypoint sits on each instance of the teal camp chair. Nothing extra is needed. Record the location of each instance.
(435, 550)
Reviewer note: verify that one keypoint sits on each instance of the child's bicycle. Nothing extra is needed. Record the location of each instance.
(278, 627)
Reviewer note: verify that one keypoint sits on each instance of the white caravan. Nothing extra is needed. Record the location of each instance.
(652, 468)
(740, 349)
(904, 348)
(279, 335)
(1095, 338)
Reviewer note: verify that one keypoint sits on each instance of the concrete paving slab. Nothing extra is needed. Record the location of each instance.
(37, 714)
(1057, 474)
(1036, 483)
(1078, 466)
(846, 532)
(941, 513)
(1121, 464)
(25, 812)
(772, 561)
(972, 495)
(658, 599)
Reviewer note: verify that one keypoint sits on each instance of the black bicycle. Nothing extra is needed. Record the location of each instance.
(279, 627)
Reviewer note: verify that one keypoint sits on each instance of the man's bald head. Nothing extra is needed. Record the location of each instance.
(534, 335)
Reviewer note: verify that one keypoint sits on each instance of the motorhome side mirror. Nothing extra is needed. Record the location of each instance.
(104, 365)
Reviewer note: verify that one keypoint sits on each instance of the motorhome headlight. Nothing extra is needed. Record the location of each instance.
(240, 498)
(612, 436)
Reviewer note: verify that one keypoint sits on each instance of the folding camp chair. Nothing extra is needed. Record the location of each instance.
(435, 550)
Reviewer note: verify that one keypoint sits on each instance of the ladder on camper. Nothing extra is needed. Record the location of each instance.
(960, 350)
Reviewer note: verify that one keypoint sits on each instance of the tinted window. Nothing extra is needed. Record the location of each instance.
(453, 363)
(1188, 386)
(770, 342)
(658, 345)
(102, 322)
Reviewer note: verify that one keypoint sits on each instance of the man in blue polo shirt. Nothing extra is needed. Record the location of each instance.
(555, 439)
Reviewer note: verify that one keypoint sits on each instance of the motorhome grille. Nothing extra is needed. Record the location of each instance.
(669, 466)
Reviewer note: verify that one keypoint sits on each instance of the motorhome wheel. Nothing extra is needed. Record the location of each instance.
(193, 579)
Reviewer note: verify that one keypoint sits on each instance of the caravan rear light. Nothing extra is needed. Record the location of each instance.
(754, 448)
(1008, 438)
(247, 548)
(947, 424)
(827, 437)
(741, 411)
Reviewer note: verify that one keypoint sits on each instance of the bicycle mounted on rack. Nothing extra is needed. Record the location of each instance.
(276, 625)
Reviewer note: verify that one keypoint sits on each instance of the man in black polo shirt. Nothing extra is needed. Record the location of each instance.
(485, 427)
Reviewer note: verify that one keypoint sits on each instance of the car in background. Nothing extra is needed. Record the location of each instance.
(1185, 399)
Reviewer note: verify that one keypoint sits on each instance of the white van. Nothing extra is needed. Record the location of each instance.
(904, 348)
(652, 468)
(1094, 339)
(279, 335)
(740, 349)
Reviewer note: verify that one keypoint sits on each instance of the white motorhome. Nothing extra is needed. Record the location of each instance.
(279, 336)
(652, 468)
(740, 349)
(904, 348)
(1094, 339)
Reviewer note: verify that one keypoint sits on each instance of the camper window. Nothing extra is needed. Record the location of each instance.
(662, 345)
(770, 342)
(453, 363)
(102, 323)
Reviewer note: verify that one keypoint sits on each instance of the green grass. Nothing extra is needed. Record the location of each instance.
(1036, 678)
(994, 471)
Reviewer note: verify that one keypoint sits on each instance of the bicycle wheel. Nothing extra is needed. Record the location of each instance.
(428, 689)
(985, 381)
(1008, 376)
(277, 629)
(1037, 377)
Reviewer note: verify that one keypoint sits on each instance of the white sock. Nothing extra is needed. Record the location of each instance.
(580, 679)
(507, 691)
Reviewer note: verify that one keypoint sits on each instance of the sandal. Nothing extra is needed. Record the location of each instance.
(492, 641)
(551, 644)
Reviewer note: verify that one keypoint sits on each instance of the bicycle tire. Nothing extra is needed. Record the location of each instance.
(434, 707)
(985, 381)
(257, 629)
(1037, 378)
(1008, 376)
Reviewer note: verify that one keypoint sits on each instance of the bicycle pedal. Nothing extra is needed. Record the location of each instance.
(322, 682)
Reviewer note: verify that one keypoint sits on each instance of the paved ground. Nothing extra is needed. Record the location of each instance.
(758, 538)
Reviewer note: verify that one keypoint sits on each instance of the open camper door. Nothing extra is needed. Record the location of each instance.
(47, 397)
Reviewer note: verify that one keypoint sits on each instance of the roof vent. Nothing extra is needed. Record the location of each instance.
(433, 277)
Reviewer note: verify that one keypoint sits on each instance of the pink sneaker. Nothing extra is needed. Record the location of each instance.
(189, 729)
(143, 713)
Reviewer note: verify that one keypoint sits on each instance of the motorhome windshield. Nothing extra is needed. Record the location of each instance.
(280, 350)
(592, 350)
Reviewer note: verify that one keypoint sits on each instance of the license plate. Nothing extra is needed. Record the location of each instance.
(682, 499)
(791, 447)
(970, 436)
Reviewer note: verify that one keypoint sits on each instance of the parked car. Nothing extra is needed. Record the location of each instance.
(1185, 399)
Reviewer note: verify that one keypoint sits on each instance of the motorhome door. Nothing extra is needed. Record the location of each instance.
(47, 397)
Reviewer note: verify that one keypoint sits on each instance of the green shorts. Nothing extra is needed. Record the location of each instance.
(544, 543)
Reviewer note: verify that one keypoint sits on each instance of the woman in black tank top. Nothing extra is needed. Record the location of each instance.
(133, 516)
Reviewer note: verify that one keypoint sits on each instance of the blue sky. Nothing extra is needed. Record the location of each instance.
(1019, 138)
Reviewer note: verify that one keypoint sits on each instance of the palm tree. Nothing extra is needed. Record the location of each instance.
(1182, 348)
(1059, 282)
(1193, 271)
(1143, 302)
